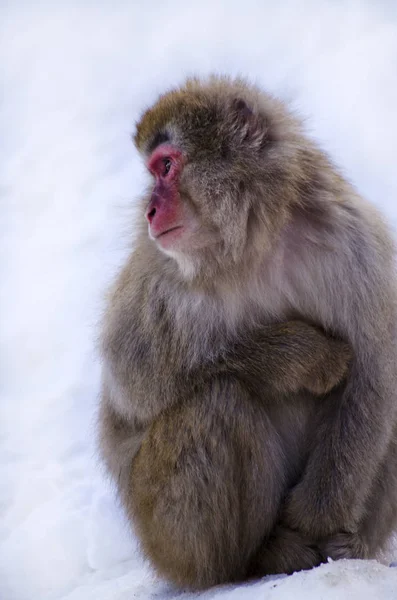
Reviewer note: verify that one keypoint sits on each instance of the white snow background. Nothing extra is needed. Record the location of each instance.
(74, 78)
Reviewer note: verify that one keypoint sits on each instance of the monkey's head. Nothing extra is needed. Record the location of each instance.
(220, 153)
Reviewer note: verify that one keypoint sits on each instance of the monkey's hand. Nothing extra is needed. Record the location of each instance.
(301, 356)
(330, 368)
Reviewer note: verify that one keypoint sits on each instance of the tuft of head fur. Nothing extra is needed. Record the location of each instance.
(209, 112)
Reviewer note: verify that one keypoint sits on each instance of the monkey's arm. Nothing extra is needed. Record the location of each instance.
(119, 438)
(354, 428)
(289, 357)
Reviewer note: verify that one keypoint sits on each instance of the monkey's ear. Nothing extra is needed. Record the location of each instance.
(242, 108)
(249, 126)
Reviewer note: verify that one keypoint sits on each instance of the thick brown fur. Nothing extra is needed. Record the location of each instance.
(226, 462)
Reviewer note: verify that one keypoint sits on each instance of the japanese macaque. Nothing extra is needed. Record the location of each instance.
(248, 410)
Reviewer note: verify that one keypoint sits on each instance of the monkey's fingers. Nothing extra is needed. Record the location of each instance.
(330, 369)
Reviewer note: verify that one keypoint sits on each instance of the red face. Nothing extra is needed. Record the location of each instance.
(165, 212)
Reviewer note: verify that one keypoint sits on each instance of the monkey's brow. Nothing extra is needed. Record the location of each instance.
(159, 138)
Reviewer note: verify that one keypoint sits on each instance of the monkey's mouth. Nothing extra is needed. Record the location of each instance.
(167, 231)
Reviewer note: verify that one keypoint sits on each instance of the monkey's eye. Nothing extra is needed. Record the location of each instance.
(167, 166)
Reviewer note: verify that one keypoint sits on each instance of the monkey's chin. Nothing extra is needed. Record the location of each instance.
(174, 249)
(171, 238)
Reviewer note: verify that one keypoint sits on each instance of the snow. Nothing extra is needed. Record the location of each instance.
(74, 78)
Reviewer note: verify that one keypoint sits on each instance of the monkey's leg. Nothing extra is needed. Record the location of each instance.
(380, 518)
(119, 441)
(206, 486)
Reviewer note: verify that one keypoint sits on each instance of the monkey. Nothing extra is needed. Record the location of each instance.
(254, 257)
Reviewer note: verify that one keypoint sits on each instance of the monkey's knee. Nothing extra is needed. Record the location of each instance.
(285, 551)
(186, 547)
(187, 516)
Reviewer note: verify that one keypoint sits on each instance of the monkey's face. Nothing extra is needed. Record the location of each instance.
(164, 212)
(175, 222)
(206, 150)
(197, 210)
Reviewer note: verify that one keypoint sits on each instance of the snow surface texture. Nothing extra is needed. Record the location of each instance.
(74, 79)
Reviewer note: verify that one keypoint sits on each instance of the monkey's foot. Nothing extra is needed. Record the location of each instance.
(344, 545)
(311, 511)
(285, 551)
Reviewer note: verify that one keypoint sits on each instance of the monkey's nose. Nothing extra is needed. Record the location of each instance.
(150, 214)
